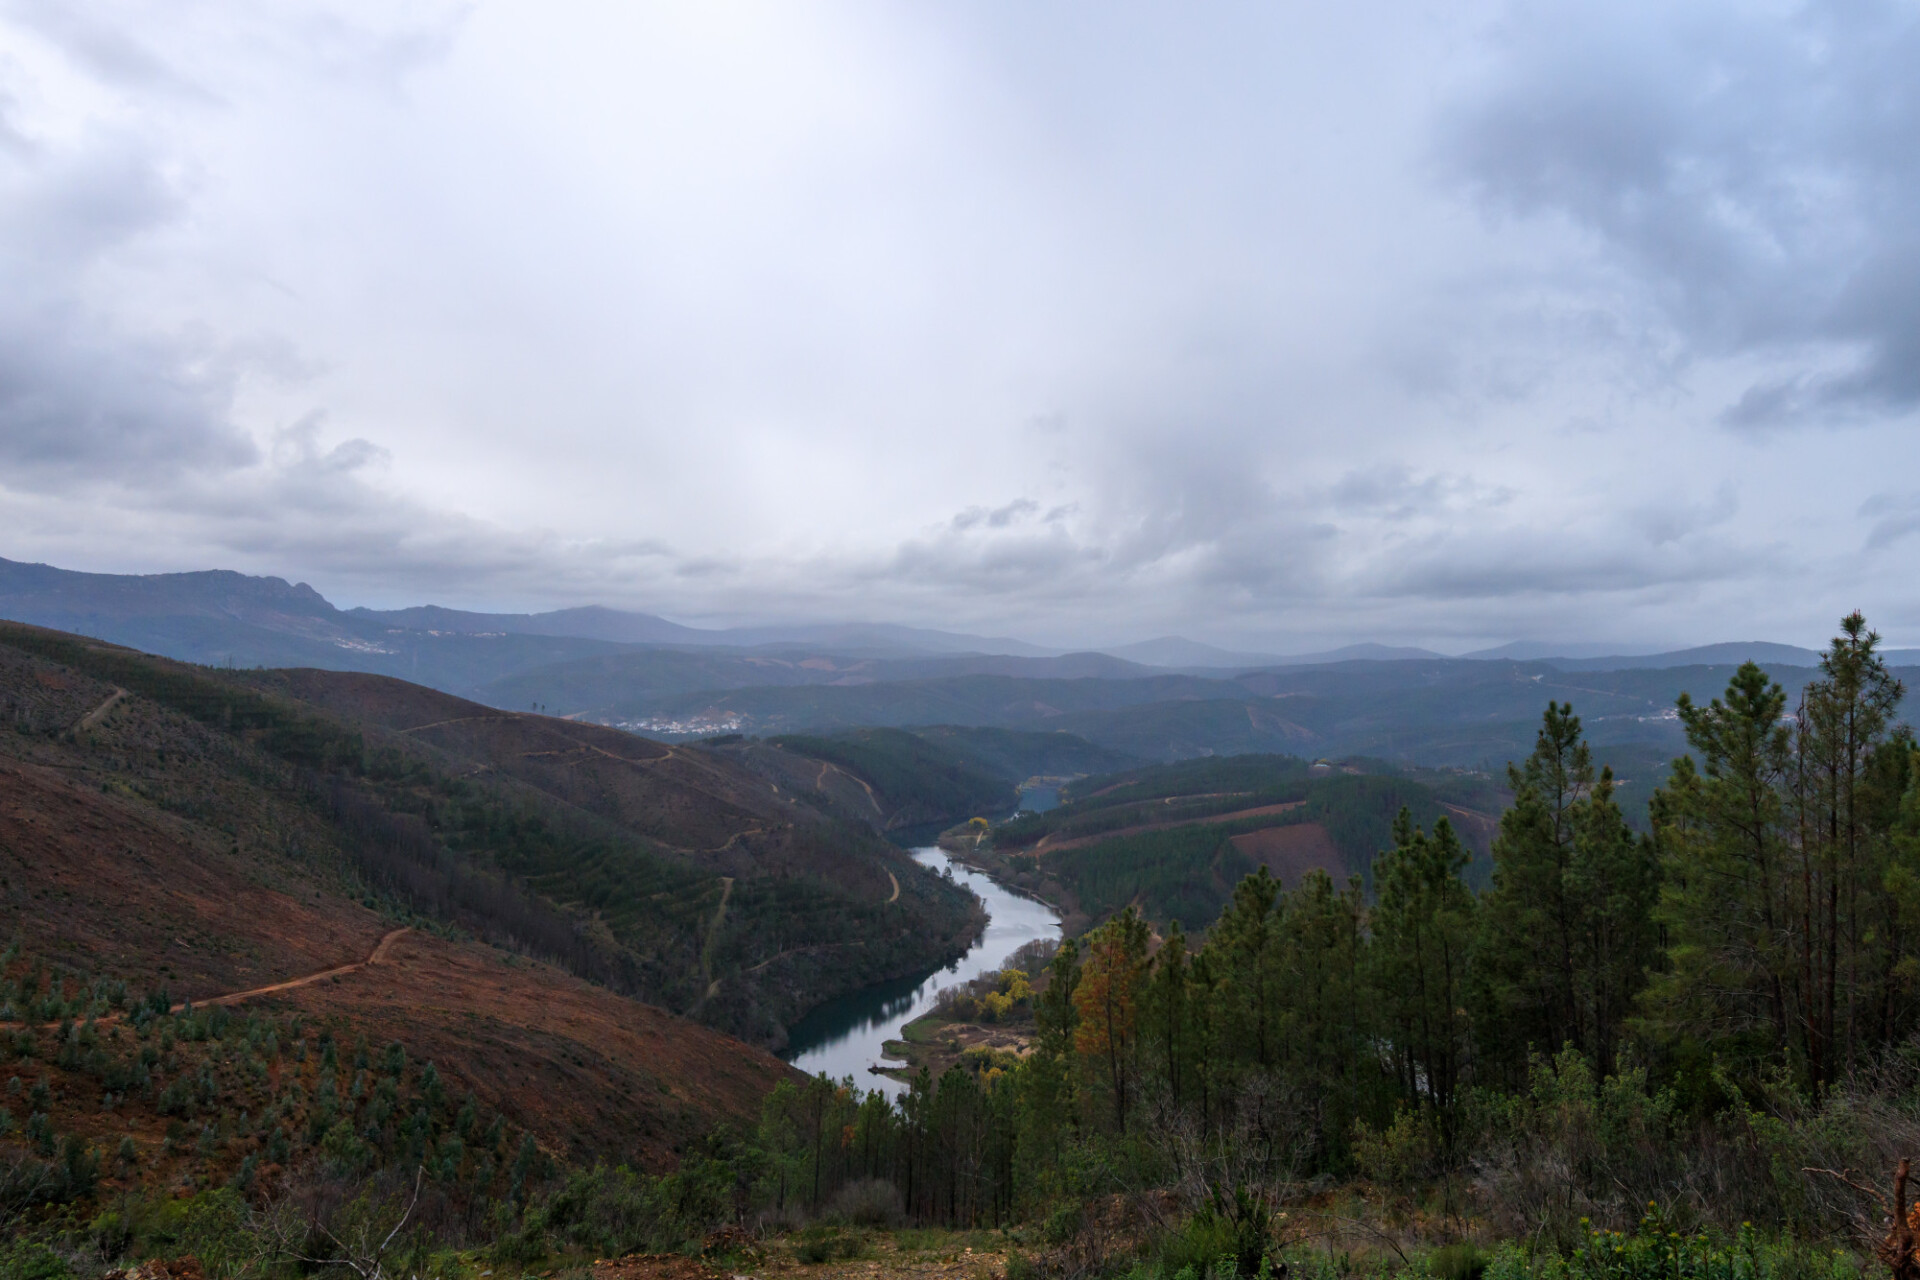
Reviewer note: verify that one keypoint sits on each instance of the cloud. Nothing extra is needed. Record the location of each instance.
(1894, 515)
(81, 393)
(1389, 491)
(1253, 326)
(1743, 165)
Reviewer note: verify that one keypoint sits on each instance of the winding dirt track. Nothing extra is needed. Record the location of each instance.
(379, 953)
(99, 713)
(235, 997)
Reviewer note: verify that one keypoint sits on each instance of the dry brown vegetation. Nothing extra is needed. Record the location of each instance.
(139, 846)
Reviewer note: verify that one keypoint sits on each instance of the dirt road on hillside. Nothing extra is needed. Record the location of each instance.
(235, 997)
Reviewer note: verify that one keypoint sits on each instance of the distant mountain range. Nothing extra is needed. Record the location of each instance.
(596, 622)
(1179, 652)
(222, 618)
(1165, 698)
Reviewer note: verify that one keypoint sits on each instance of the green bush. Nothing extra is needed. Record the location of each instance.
(29, 1261)
(1457, 1262)
(1198, 1245)
(827, 1244)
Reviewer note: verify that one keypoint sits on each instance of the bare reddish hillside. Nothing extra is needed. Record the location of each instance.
(107, 882)
(595, 1075)
(140, 846)
(1290, 852)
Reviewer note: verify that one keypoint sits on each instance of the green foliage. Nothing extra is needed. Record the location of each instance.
(1457, 1262)
(1183, 873)
(1567, 932)
(919, 780)
(1417, 965)
(32, 1260)
(1790, 862)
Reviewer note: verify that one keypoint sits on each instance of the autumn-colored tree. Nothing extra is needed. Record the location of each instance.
(1107, 1002)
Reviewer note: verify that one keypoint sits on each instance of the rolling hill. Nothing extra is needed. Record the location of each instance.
(670, 874)
(149, 856)
(1172, 840)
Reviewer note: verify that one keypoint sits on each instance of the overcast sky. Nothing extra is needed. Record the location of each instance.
(1272, 324)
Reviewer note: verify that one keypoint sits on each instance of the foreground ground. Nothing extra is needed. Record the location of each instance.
(931, 1254)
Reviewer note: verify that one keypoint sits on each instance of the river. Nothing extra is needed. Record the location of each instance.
(844, 1037)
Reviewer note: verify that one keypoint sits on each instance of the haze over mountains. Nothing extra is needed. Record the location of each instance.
(221, 617)
(1164, 699)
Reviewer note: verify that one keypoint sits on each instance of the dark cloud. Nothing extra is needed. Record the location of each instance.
(1755, 173)
(83, 396)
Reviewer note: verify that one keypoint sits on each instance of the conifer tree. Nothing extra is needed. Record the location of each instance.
(1844, 930)
(1106, 1002)
(1423, 928)
(1327, 1030)
(1727, 988)
(1567, 932)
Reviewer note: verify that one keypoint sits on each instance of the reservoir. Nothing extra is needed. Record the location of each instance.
(844, 1037)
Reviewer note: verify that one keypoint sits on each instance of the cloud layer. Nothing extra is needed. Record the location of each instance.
(1270, 327)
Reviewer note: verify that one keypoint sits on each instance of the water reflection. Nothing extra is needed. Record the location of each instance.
(844, 1037)
(1041, 794)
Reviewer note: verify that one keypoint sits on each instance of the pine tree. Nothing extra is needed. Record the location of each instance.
(1846, 968)
(1422, 930)
(1327, 1028)
(1727, 990)
(1567, 933)
(1106, 1003)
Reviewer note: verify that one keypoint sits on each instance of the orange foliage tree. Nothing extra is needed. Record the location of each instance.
(1107, 1000)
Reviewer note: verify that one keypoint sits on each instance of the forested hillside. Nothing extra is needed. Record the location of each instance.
(911, 783)
(919, 781)
(1670, 1054)
(668, 874)
(171, 883)
(1171, 841)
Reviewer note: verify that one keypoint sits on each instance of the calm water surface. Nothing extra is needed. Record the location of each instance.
(1040, 795)
(844, 1037)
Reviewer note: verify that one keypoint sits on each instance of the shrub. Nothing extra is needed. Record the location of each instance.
(1200, 1244)
(826, 1244)
(868, 1202)
(1457, 1262)
(27, 1261)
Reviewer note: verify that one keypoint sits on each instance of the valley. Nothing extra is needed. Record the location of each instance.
(284, 936)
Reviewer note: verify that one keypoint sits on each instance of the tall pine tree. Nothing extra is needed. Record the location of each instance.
(1567, 932)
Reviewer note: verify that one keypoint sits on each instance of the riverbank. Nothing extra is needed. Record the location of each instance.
(850, 1037)
(935, 1042)
(973, 847)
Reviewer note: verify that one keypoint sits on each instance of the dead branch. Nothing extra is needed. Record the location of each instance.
(1841, 1176)
(1391, 1243)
